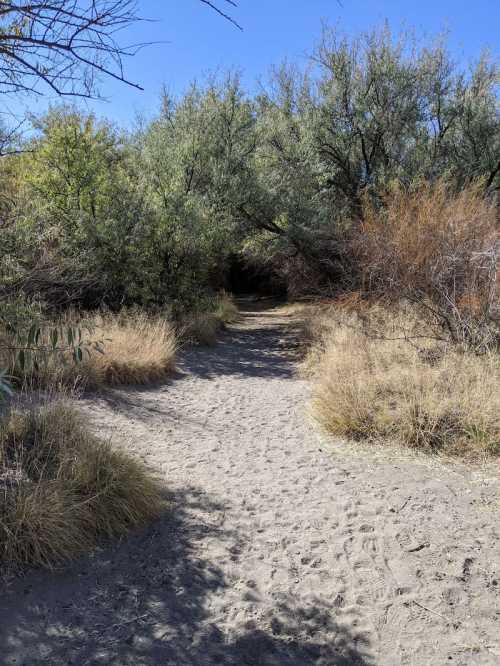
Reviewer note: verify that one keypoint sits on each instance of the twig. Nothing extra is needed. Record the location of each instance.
(134, 619)
(404, 504)
(417, 548)
(429, 610)
(223, 14)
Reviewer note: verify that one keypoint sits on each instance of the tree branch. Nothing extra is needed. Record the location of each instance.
(222, 13)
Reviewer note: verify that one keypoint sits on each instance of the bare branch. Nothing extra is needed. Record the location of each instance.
(222, 13)
(63, 45)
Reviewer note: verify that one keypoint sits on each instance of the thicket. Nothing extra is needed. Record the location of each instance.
(438, 250)
(91, 214)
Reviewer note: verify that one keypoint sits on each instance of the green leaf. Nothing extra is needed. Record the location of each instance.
(54, 336)
(32, 335)
(5, 387)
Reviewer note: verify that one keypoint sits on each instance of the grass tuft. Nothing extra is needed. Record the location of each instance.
(226, 310)
(137, 349)
(202, 327)
(62, 489)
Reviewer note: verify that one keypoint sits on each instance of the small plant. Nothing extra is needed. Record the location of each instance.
(29, 344)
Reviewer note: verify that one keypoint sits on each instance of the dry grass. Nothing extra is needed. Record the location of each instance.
(135, 349)
(202, 327)
(62, 489)
(138, 349)
(226, 310)
(377, 377)
(313, 321)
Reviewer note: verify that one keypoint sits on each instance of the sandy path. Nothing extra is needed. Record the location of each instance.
(280, 548)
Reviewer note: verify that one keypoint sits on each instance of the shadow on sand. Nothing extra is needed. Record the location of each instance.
(264, 352)
(266, 349)
(147, 602)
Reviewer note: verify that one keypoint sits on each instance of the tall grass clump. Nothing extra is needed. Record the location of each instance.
(113, 350)
(62, 488)
(390, 381)
(226, 310)
(136, 349)
(200, 328)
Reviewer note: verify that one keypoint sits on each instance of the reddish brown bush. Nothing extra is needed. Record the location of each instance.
(439, 250)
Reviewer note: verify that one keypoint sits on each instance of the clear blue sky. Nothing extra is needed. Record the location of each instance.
(198, 41)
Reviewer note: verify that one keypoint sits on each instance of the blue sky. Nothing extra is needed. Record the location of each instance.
(197, 41)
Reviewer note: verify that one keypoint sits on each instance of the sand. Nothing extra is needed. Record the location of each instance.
(280, 547)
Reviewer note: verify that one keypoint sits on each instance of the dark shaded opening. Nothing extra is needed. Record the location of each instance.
(245, 279)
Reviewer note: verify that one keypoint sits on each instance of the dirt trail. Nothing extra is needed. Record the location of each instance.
(280, 548)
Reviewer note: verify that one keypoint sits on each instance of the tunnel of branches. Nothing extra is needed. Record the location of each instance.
(244, 279)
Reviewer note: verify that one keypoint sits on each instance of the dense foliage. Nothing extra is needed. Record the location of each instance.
(92, 215)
